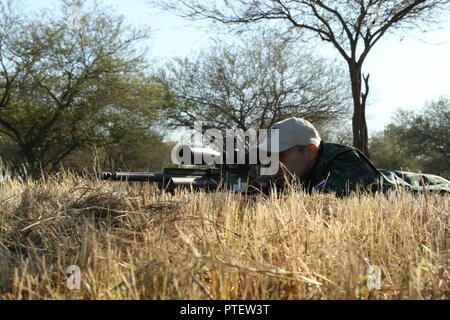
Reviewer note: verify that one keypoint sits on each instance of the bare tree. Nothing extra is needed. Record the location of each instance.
(353, 27)
(253, 84)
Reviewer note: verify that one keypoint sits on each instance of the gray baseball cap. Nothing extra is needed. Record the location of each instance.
(292, 132)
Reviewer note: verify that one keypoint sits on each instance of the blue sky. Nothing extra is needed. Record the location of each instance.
(405, 72)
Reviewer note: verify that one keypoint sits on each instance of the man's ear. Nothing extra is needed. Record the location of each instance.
(312, 150)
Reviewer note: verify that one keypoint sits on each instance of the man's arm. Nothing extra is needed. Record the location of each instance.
(347, 173)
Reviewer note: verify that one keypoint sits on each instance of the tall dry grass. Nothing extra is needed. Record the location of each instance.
(131, 241)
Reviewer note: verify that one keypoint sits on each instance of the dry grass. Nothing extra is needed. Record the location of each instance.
(134, 242)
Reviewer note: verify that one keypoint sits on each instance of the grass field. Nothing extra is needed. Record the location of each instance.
(130, 241)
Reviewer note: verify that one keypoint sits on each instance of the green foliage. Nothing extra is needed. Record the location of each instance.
(417, 141)
(387, 152)
(69, 88)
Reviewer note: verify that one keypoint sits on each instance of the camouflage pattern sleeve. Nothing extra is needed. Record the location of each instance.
(417, 182)
(347, 173)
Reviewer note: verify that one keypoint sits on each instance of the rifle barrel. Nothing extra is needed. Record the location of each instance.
(135, 176)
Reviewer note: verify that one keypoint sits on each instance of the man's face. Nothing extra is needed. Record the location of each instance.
(297, 161)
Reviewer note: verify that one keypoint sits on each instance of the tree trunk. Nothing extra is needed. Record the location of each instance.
(360, 135)
(31, 162)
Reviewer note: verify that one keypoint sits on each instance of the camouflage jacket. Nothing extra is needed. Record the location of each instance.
(342, 170)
